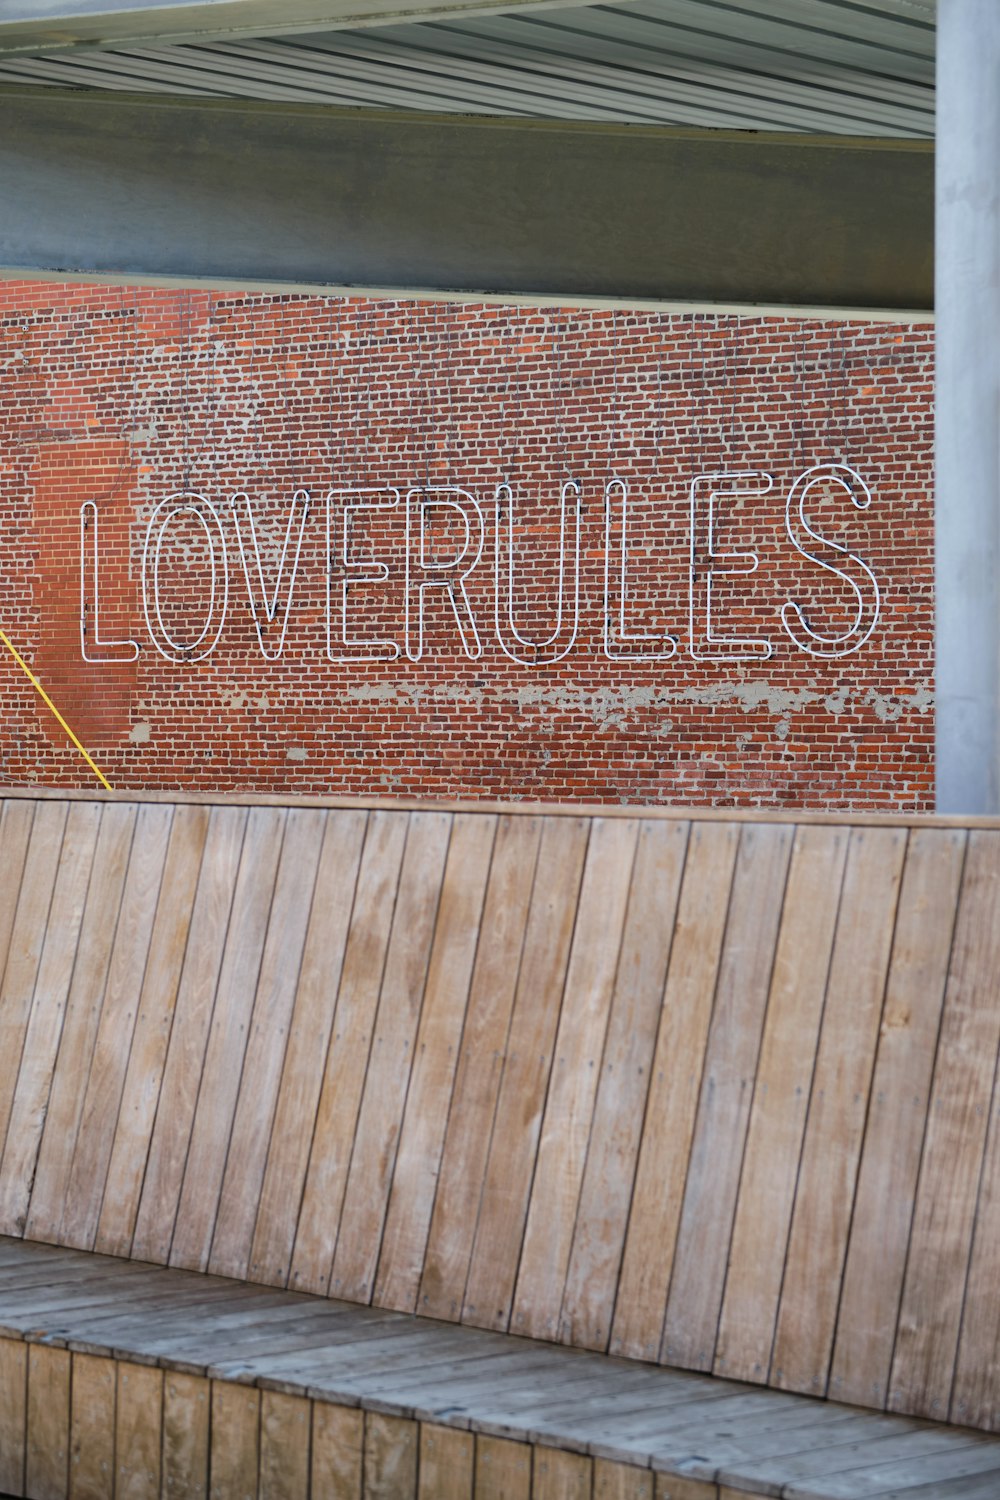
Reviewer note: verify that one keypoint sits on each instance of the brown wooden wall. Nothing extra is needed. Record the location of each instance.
(716, 1092)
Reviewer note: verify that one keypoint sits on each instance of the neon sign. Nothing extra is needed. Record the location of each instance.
(421, 572)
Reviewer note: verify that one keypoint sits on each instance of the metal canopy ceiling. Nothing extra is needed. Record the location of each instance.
(831, 67)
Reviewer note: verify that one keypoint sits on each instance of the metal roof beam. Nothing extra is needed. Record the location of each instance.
(210, 192)
(38, 27)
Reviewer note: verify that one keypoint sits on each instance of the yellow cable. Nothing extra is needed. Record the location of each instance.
(46, 699)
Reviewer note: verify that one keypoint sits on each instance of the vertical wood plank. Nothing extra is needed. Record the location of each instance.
(944, 1215)
(16, 819)
(890, 1160)
(503, 1469)
(421, 1139)
(83, 1012)
(284, 1447)
(47, 1467)
(606, 1194)
(45, 1021)
(186, 1410)
(672, 1487)
(557, 1475)
(507, 1188)
(391, 1451)
(730, 1065)
(389, 1066)
(235, 1450)
(308, 1046)
(672, 1104)
(781, 1098)
(138, 1433)
(98, 1118)
(265, 1050)
(579, 1049)
(189, 1034)
(338, 1447)
(26, 942)
(845, 1058)
(975, 1399)
(347, 1060)
(447, 1463)
(480, 1063)
(227, 1039)
(92, 1428)
(621, 1481)
(143, 1076)
(13, 1415)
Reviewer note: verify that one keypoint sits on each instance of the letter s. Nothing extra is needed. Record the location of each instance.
(868, 601)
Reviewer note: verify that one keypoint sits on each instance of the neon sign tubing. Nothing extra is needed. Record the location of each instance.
(379, 575)
(444, 491)
(623, 635)
(846, 477)
(754, 645)
(300, 497)
(187, 497)
(504, 493)
(88, 518)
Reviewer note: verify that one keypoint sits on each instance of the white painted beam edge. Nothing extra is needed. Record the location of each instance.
(493, 299)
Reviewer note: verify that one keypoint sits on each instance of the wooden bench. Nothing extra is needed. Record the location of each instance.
(713, 1093)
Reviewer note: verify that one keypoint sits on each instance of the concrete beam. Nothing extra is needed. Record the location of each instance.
(114, 185)
(38, 27)
(967, 362)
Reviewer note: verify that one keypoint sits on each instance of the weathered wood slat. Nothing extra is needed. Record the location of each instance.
(685, 1088)
(189, 1035)
(890, 1161)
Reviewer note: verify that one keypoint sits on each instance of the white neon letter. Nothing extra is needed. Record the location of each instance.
(617, 637)
(185, 503)
(112, 650)
(705, 644)
(437, 574)
(552, 648)
(355, 500)
(269, 608)
(792, 616)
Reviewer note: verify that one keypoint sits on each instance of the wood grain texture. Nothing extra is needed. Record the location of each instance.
(13, 1415)
(957, 1120)
(189, 1035)
(614, 1481)
(503, 1469)
(227, 1041)
(838, 1107)
(447, 1463)
(186, 1417)
(284, 1447)
(558, 1475)
(442, 1017)
(308, 1046)
(391, 1456)
(47, 1452)
(92, 1428)
(480, 1067)
(347, 1060)
(83, 1013)
(390, 1063)
(153, 1025)
(588, 1299)
(338, 1447)
(109, 1063)
(727, 1085)
(890, 1161)
(138, 1433)
(780, 1102)
(235, 1448)
(267, 1036)
(44, 1022)
(675, 1083)
(507, 1188)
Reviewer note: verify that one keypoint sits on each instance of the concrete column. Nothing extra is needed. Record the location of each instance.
(967, 444)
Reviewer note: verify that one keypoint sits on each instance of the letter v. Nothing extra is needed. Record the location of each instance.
(246, 531)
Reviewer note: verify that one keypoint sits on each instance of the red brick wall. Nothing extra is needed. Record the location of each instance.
(126, 397)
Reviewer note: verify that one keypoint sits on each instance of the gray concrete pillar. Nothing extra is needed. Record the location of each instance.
(967, 443)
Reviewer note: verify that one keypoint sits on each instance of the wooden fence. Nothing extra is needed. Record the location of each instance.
(711, 1090)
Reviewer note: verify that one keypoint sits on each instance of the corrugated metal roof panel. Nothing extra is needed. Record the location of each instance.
(812, 66)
